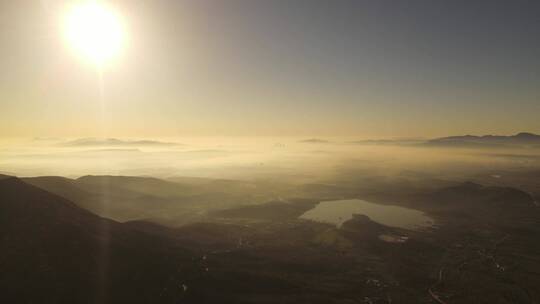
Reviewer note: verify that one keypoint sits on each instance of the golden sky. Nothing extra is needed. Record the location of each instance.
(189, 68)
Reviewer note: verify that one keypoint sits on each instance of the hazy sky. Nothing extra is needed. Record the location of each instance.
(309, 68)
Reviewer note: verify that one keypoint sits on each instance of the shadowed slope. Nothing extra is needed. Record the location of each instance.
(53, 251)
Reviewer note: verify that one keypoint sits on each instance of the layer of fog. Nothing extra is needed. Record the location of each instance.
(247, 158)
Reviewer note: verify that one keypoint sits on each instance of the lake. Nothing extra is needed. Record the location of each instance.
(340, 211)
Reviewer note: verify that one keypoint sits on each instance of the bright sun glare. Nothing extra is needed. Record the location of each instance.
(94, 30)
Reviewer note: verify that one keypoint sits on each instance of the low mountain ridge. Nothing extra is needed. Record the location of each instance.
(483, 202)
(523, 138)
(91, 141)
(61, 186)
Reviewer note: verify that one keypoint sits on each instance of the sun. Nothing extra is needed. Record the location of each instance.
(94, 30)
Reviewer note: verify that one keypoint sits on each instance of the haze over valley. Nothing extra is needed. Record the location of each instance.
(242, 151)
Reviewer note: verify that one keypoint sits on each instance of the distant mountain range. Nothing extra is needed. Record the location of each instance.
(315, 141)
(386, 142)
(465, 141)
(90, 142)
(522, 139)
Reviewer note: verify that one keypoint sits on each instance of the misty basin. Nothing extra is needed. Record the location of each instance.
(340, 211)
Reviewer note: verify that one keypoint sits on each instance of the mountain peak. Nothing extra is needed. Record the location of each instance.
(526, 135)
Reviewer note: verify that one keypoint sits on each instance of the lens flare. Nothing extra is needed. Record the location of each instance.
(94, 31)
